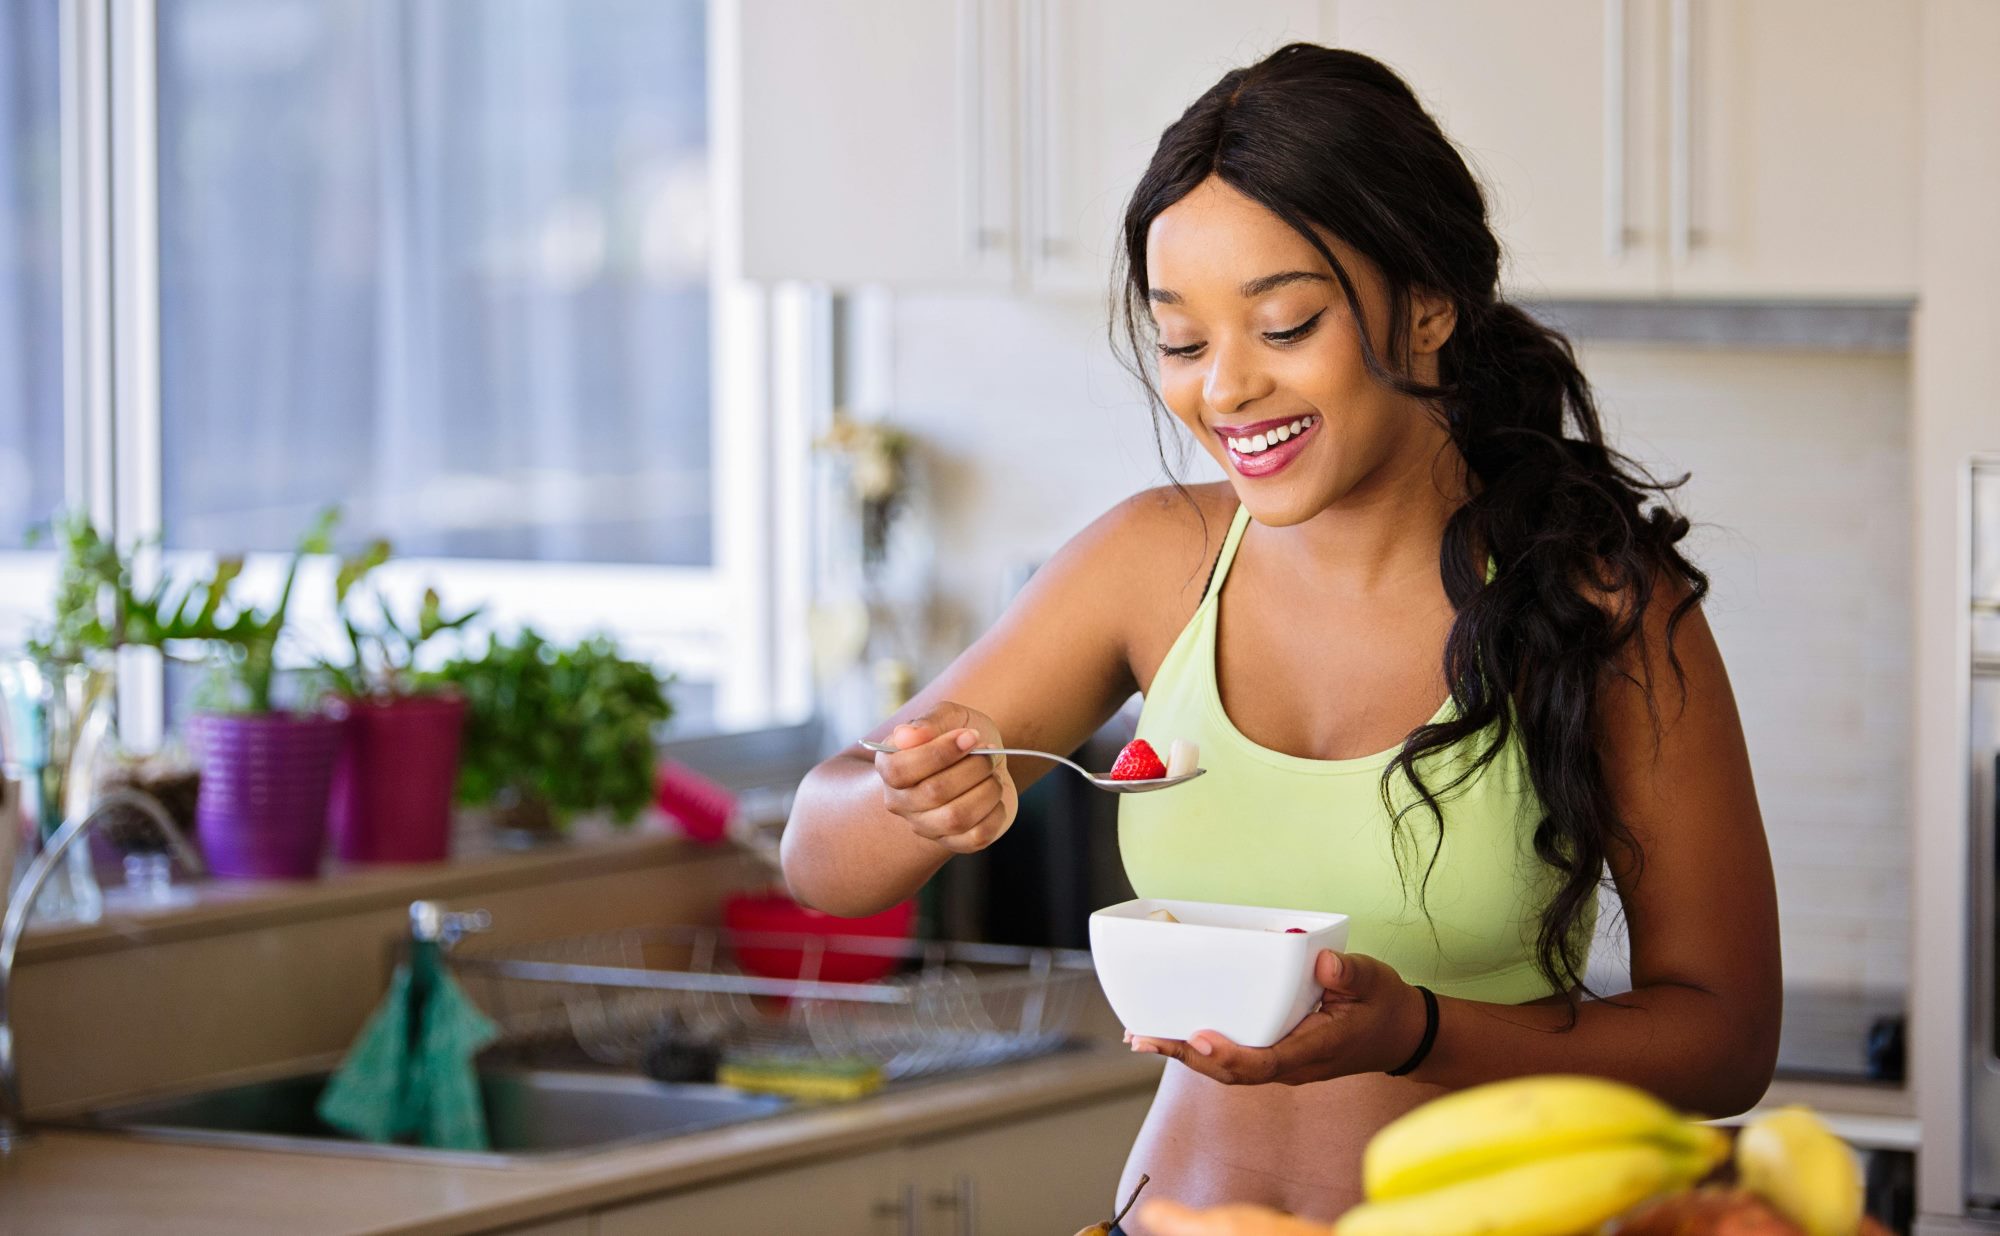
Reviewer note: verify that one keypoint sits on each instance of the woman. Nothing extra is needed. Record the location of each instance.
(1441, 654)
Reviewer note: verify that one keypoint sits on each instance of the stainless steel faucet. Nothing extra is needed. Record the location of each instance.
(12, 1130)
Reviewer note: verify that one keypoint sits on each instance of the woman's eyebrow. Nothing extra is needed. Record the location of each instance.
(1255, 288)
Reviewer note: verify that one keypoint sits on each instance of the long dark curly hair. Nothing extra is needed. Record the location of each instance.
(1581, 536)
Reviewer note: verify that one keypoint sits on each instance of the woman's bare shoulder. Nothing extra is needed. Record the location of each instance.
(1153, 551)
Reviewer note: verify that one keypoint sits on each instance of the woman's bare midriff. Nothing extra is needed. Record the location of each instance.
(1297, 1148)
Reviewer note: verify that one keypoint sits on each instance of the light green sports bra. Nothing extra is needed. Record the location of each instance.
(1270, 829)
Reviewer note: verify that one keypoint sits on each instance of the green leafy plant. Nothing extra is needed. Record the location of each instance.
(552, 730)
(100, 608)
(383, 648)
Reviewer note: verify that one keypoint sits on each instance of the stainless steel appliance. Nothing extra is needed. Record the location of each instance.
(1982, 1060)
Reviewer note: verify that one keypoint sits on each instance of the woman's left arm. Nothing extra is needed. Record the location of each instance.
(1700, 1026)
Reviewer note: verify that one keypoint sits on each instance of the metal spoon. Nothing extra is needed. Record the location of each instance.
(1103, 783)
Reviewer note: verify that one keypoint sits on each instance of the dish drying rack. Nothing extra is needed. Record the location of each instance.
(950, 1006)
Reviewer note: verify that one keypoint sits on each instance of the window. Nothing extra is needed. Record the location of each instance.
(31, 411)
(444, 264)
(450, 266)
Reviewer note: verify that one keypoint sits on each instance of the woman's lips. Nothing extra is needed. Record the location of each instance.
(1274, 456)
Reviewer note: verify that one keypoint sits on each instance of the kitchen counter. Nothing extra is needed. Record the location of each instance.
(73, 1183)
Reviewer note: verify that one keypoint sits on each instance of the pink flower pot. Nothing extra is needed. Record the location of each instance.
(392, 792)
(264, 784)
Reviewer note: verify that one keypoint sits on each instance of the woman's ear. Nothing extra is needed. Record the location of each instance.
(1433, 317)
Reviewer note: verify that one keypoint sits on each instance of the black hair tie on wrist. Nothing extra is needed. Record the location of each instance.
(1430, 1035)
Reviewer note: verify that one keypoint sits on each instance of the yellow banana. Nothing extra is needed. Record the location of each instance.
(1548, 1196)
(1481, 1129)
(1796, 1163)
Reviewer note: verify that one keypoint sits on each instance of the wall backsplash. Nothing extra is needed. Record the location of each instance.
(1800, 493)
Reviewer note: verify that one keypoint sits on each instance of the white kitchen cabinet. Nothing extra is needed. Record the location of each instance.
(877, 140)
(1741, 148)
(862, 1195)
(1800, 154)
(976, 143)
(1552, 107)
(1054, 1173)
(1103, 80)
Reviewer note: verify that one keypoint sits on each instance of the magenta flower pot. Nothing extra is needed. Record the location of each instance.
(265, 778)
(392, 791)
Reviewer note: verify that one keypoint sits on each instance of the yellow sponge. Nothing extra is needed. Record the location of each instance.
(806, 1080)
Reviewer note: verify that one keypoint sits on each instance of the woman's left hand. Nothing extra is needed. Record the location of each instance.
(1368, 1021)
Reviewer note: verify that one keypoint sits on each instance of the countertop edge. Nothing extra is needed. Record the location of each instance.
(1051, 1084)
(227, 906)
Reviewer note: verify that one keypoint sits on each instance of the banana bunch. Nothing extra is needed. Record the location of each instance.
(1537, 1156)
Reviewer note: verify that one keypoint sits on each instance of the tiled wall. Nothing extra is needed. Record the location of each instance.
(1800, 489)
(1801, 497)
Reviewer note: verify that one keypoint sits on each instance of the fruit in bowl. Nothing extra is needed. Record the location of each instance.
(1240, 971)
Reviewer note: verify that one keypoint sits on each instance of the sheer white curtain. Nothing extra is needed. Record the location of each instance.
(31, 426)
(444, 263)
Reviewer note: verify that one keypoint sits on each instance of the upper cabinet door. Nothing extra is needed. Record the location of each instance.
(1553, 104)
(1102, 81)
(877, 140)
(1792, 148)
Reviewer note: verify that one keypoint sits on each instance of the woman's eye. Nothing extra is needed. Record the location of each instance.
(1297, 332)
(1293, 335)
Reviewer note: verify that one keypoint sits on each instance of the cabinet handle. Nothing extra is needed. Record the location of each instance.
(904, 1208)
(972, 126)
(1614, 129)
(1680, 132)
(1044, 76)
(963, 1202)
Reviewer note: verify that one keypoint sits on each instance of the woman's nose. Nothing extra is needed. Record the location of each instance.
(1234, 378)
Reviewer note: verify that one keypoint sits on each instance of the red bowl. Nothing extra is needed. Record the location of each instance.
(747, 912)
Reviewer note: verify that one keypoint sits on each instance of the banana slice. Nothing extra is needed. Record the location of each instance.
(1163, 915)
(1183, 757)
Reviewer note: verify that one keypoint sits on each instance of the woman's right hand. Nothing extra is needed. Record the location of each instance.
(962, 802)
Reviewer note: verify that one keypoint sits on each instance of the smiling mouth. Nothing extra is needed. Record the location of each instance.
(1271, 449)
(1251, 445)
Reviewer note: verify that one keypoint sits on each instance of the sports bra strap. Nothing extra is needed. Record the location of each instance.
(1218, 572)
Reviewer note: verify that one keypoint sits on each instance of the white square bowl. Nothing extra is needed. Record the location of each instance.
(1231, 969)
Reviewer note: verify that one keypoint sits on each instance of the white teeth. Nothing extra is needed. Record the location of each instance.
(1257, 443)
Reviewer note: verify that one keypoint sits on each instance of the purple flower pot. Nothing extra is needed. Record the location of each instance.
(264, 784)
(393, 789)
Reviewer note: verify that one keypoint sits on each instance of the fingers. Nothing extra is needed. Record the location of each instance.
(1350, 976)
(954, 776)
(961, 803)
(969, 822)
(1215, 1057)
(923, 751)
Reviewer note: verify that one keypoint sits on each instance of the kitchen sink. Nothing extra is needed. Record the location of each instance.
(531, 1114)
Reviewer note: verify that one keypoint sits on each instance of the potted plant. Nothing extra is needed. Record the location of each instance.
(57, 695)
(266, 770)
(392, 790)
(552, 731)
(60, 695)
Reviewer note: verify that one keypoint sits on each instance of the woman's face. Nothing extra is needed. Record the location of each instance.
(1259, 357)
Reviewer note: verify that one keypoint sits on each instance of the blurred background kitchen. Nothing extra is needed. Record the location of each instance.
(767, 340)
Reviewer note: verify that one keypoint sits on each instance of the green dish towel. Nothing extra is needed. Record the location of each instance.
(410, 1075)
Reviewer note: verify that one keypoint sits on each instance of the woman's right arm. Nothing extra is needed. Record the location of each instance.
(866, 831)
